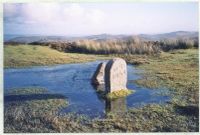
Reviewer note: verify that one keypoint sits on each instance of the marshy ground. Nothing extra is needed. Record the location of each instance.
(177, 70)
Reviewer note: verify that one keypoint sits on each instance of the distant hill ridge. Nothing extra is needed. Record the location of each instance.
(175, 34)
(101, 37)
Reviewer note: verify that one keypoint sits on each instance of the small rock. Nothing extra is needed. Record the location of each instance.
(98, 77)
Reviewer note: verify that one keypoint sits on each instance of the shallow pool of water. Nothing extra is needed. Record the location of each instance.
(74, 82)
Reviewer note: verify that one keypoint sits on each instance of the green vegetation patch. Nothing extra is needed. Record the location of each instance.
(118, 94)
(27, 90)
(151, 118)
(34, 55)
(178, 71)
(32, 114)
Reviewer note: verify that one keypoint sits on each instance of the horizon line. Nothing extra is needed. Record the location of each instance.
(77, 35)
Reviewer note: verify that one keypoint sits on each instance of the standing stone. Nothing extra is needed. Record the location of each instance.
(116, 75)
(98, 77)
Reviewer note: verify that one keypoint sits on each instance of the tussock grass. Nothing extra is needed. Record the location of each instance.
(150, 118)
(130, 45)
(31, 55)
(178, 71)
(39, 115)
(118, 94)
(31, 115)
(179, 43)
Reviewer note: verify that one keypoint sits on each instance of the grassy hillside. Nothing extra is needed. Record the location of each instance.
(24, 56)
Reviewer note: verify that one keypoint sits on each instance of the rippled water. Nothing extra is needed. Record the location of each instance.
(73, 81)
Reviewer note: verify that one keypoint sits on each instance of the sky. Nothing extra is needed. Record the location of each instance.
(75, 19)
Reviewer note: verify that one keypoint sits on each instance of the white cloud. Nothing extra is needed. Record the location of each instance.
(90, 18)
(40, 12)
(53, 13)
(57, 17)
(77, 14)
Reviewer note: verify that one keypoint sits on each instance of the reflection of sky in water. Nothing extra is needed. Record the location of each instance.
(73, 81)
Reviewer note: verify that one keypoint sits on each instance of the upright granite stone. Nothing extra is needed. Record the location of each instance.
(98, 77)
(115, 75)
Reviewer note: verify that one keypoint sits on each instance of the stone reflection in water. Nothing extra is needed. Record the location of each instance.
(111, 106)
(116, 106)
(100, 87)
(100, 91)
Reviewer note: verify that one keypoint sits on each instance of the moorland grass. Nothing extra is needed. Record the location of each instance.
(38, 115)
(175, 70)
(130, 45)
(30, 115)
(150, 118)
(42, 116)
(178, 71)
(33, 55)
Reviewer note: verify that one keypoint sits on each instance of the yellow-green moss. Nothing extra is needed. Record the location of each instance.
(118, 94)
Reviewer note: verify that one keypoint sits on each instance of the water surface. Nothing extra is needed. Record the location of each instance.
(74, 82)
